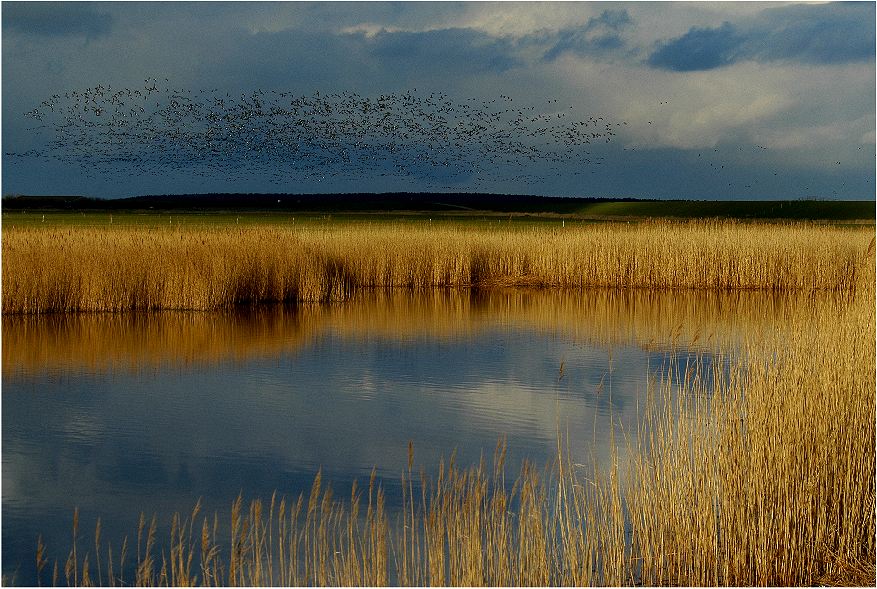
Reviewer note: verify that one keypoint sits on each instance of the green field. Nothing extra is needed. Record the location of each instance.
(792, 210)
(55, 218)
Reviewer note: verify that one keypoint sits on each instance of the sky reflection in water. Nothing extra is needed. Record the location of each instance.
(119, 414)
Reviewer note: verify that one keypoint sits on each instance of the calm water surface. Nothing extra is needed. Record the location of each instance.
(123, 414)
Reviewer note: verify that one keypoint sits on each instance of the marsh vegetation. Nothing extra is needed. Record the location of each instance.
(759, 470)
(203, 268)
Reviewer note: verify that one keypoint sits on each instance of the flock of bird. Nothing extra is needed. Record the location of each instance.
(428, 138)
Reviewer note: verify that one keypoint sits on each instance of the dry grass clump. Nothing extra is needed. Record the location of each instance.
(310, 541)
(465, 527)
(115, 269)
(770, 479)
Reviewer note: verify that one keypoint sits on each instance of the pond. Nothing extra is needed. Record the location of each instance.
(119, 414)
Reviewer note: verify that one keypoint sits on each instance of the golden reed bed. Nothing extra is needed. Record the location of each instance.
(764, 475)
(89, 269)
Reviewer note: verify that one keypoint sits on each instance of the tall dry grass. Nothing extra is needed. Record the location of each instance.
(769, 479)
(93, 269)
(309, 541)
(761, 475)
(758, 474)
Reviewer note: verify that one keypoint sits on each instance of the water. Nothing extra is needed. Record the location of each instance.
(130, 413)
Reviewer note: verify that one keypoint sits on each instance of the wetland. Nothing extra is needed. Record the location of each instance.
(634, 382)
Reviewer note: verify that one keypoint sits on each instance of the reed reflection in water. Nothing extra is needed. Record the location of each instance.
(100, 342)
(118, 413)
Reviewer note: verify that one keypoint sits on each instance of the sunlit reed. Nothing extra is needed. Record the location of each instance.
(108, 269)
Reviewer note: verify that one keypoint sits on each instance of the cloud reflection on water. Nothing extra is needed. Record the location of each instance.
(122, 413)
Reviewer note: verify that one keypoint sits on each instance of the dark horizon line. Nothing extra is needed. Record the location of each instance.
(456, 204)
(412, 194)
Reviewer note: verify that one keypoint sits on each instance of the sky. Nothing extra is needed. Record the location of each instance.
(714, 100)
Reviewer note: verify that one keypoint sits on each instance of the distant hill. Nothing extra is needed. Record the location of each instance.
(460, 203)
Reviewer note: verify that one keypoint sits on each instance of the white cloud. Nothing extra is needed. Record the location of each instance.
(782, 104)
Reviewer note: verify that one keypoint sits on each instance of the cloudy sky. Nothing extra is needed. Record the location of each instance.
(708, 100)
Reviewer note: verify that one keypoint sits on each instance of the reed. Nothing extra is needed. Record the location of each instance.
(760, 473)
(118, 269)
(768, 478)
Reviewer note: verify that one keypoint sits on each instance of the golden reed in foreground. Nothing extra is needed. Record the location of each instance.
(762, 474)
(88, 269)
(770, 480)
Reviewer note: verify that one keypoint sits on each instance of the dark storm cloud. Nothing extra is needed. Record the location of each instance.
(355, 59)
(699, 49)
(602, 61)
(599, 35)
(835, 33)
(55, 19)
(285, 58)
(824, 34)
(460, 50)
